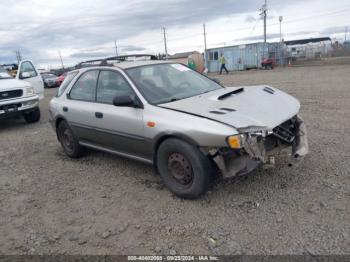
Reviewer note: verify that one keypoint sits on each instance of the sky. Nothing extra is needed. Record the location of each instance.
(87, 29)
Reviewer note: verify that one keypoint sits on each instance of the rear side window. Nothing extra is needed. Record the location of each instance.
(66, 82)
(85, 87)
(111, 84)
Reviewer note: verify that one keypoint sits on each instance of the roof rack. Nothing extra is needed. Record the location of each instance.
(117, 59)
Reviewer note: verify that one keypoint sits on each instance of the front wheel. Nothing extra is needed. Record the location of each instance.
(33, 116)
(184, 169)
(69, 141)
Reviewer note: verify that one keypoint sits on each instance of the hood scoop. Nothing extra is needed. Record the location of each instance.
(269, 90)
(228, 109)
(222, 111)
(234, 92)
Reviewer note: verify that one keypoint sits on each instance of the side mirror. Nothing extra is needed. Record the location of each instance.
(24, 75)
(125, 101)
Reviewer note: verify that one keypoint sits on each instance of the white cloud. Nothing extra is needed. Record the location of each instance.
(84, 29)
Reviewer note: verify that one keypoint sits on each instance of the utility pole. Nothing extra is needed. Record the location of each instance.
(18, 56)
(116, 47)
(165, 46)
(346, 32)
(59, 53)
(280, 19)
(263, 14)
(205, 47)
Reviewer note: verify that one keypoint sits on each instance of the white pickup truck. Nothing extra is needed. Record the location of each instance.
(20, 96)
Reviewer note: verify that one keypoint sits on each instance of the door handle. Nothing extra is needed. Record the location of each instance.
(98, 115)
(65, 109)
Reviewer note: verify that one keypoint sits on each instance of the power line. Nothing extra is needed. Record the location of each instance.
(286, 21)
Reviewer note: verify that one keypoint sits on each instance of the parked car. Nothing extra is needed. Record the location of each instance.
(180, 121)
(50, 80)
(61, 78)
(20, 96)
(11, 68)
(268, 63)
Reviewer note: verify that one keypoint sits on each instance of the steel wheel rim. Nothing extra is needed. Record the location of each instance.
(180, 169)
(67, 140)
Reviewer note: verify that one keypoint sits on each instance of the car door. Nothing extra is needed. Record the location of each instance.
(28, 72)
(79, 106)
(120, 128)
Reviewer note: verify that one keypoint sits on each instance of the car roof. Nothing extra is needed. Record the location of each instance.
(127, 65)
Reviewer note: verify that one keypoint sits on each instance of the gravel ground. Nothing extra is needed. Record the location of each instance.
(104, 204)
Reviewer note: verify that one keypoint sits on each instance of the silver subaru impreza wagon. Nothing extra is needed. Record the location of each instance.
(184, 123)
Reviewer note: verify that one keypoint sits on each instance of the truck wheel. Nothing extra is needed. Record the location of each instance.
(33, 116)
(69, 141)
(184, 169)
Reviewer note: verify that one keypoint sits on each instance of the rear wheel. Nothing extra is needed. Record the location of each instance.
(69, 141)
(33, 116)
(184, 169)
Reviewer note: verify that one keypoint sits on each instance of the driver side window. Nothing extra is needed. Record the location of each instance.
(111, 84)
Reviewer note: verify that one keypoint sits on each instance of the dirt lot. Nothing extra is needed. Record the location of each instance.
(104, 204)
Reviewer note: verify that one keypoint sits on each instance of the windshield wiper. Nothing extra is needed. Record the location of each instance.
(239, 90)
(172, 100)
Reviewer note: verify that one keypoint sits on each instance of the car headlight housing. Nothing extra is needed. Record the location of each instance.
(30, 91)
(235, 141)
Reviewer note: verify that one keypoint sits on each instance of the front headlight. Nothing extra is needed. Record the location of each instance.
(30, 91)
(235, 142)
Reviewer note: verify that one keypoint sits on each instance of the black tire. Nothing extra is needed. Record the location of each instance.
(33, 116)
(69, 141)
(184, 169)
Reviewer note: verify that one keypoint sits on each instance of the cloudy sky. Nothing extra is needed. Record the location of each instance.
(84, 29)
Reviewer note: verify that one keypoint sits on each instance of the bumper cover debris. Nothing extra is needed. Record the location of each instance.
(236, 163)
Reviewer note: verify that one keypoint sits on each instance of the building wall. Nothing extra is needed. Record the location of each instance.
(309, 51)
(240, 57)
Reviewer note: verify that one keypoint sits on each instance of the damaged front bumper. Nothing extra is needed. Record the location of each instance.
(260, 148)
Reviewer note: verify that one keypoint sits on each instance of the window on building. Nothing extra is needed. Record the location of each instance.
(213, 55)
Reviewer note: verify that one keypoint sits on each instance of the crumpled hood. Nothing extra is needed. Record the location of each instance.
(261, 106)
(10, 84)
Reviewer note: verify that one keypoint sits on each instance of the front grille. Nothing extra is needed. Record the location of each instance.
(10, 106)
(11, 94)
(286, 131)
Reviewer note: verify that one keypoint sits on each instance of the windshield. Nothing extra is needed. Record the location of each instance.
(162, 83)
(4, 74)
